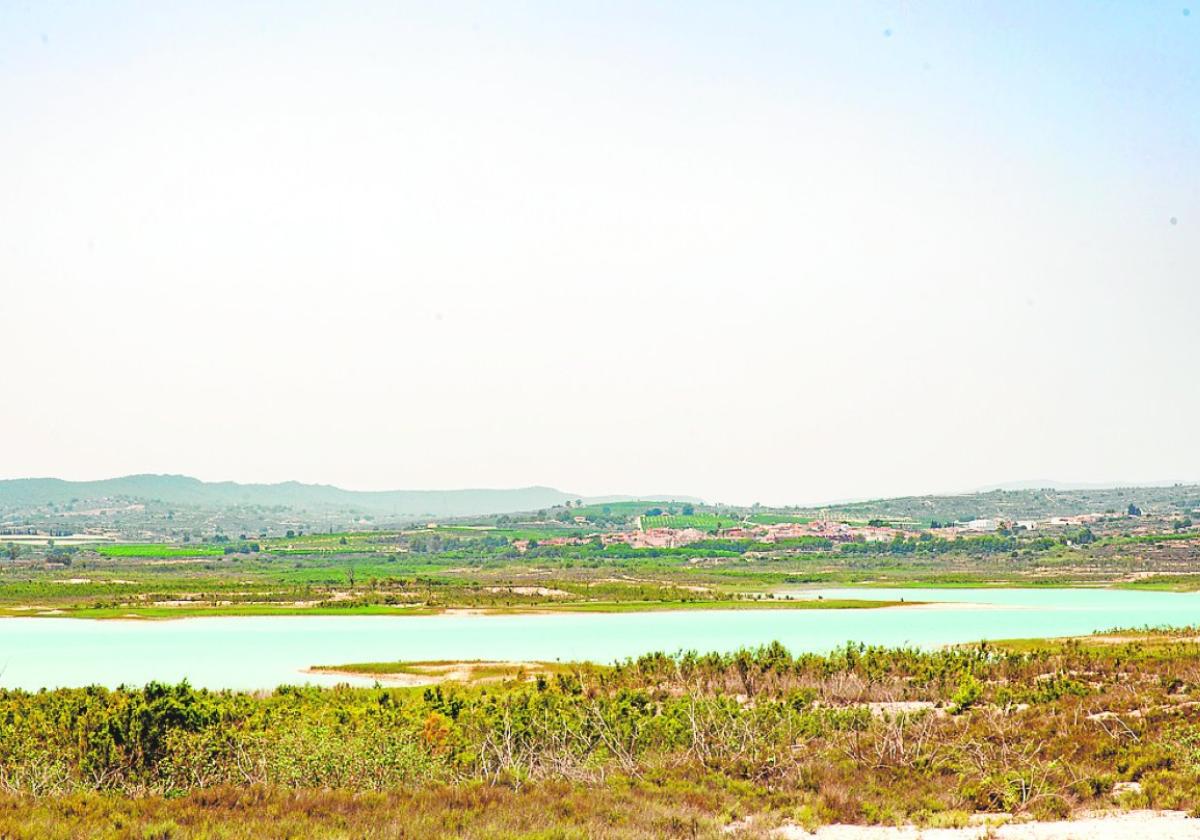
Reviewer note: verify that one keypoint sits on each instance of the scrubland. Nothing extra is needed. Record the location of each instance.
(686, 745)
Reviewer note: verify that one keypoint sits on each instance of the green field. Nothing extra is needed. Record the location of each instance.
(700, 521)
(629, 508)
(158, 551)
(778, 518)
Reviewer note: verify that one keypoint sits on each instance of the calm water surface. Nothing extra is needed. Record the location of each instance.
(250, 653)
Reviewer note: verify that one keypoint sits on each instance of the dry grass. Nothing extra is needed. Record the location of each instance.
(550, 810)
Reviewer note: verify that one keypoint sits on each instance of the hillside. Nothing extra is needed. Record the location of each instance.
(1022, 504)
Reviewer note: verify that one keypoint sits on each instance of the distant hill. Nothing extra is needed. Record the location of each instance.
(184, 490)
(1050, 484)
(179, 490)
(652, 497)
(1023, 503)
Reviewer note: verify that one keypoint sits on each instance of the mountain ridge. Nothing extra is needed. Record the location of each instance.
(187, 490)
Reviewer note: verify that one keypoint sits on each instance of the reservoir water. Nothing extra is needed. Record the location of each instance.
(261, 653)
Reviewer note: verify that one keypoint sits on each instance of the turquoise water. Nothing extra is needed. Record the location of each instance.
(250, 653)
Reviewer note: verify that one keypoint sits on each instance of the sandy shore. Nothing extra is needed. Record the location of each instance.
(432, 673)
(398, 679)
(1142, 825)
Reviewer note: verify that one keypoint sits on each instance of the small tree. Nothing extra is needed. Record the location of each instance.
(969, 693)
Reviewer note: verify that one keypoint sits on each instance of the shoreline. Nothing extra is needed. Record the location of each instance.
(597, 607)
(425, 673)
(809, 598)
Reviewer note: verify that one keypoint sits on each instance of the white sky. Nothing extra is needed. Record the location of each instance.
(749, 252)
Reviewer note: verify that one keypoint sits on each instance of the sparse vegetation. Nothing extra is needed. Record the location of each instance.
(680, 745)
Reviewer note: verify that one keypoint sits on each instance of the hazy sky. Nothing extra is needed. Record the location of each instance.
(784, 252)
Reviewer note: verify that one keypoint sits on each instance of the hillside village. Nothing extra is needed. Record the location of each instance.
(824, 533)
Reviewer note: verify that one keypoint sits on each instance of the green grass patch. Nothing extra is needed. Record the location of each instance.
(158, 550)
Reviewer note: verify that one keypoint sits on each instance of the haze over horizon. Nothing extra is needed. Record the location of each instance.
(750, 253)
(651, 495)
